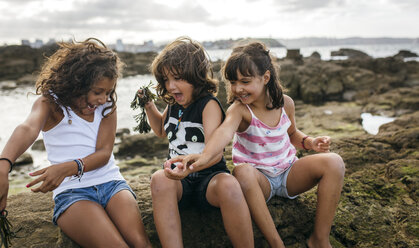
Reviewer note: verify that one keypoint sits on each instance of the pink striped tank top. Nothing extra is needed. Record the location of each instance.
(266, 148)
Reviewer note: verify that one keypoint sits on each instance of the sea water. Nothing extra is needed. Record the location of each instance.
(16, 104)
(375, 51)
(371, 123)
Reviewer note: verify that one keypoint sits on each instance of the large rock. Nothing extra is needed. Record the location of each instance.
(378, 206)
(350, 53)
(405, 54)
(320, 81)
(23, 63)
(145, 145)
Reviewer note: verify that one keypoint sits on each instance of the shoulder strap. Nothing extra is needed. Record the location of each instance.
(251, 112)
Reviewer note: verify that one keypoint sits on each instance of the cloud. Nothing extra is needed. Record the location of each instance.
(305, 5)
(140, 15)
(204, 20)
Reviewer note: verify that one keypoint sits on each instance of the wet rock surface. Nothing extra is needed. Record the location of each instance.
(378, 206)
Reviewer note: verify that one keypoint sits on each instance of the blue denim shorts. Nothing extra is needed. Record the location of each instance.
(100, 194)
(279, 185)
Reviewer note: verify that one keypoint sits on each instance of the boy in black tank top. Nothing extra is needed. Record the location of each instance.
(185, 82)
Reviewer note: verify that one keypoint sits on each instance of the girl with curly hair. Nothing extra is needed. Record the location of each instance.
(76, 114)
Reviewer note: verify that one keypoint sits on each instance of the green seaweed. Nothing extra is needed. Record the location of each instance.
(5, 230)
(140, 102)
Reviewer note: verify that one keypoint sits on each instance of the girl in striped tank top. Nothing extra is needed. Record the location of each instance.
(261, 119)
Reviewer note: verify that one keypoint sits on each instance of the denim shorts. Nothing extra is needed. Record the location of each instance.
(101, 194)
(279, 184)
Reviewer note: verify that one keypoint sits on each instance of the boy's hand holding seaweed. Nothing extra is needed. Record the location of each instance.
(142, 97)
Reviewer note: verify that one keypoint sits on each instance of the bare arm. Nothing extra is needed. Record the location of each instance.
(318, 144)
(218, 140)
(154, 116)
(156, 119)
(52, 176)
(22, 137)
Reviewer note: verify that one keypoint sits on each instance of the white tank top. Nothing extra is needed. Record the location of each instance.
(75, 138)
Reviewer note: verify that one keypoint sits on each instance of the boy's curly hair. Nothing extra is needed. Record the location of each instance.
(252, 60)
(74, 68)
(188, 60)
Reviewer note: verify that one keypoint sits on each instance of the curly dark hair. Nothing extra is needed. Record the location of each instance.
(74, 68)
(251, 60)
(188, 60)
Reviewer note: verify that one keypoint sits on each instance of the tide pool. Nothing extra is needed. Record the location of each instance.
(371, 123)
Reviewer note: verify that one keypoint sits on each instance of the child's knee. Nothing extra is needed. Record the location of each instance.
(227, 187)
(245, 175)
(242, 171)
(159, 182)
(336, 164)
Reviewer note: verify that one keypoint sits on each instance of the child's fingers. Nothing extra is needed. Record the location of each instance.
(186, 162)
(171, 174)
(167, 164)
(42, 188)
(36, 190)
(326, 140)
(175, 159)
(194, 165)
(38, 172)
(36, 181)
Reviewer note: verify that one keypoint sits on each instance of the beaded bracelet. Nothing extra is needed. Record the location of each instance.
(302, 142)
(10, 162)
(80, 168)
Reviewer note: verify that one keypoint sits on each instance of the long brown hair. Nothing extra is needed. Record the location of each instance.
(73, 69)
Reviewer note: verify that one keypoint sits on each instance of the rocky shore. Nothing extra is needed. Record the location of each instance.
(379, 202)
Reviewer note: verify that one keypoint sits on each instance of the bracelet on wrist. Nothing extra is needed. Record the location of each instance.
(302, 143)
(10, 162)
(80, 168)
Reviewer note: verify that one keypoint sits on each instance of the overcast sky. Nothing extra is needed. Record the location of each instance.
(136, 21)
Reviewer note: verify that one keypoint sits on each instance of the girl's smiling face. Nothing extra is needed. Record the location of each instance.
(249, 89)
(98, 94)
(178, 88)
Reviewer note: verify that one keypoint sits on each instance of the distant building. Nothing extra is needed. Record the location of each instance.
(119, 46)
(26, 43)
(38, 43)
(147, 46)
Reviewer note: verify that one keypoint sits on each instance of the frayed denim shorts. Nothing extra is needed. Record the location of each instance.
(101, 194)
(279, 185)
